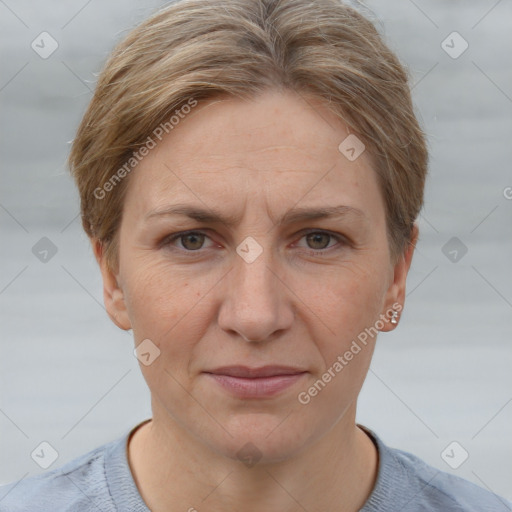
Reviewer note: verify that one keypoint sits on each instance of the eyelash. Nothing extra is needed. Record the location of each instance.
(167, 241)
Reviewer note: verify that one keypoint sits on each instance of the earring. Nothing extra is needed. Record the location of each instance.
(394, 316)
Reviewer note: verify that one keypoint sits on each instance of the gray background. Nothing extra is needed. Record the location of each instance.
(68, 375)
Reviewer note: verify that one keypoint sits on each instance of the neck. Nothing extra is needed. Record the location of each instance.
(175, 471)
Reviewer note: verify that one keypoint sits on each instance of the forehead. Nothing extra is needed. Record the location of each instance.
(277, 148)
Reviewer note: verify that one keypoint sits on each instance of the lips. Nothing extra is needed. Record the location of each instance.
(255, 373)
(264, 382)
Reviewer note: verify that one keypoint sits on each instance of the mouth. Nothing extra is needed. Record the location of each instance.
(263, 382)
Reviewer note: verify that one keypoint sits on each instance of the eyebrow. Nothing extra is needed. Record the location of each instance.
(211, 215)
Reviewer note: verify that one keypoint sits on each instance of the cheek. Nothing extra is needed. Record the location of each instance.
(349, 304)
(349, 308)
(347, 300)
(171, 308)
(156, 299)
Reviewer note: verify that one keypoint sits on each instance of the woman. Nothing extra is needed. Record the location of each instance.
(223, 142)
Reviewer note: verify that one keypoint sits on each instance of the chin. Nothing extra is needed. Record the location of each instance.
(262, 438)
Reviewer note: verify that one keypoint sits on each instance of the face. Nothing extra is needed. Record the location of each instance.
(253, 306)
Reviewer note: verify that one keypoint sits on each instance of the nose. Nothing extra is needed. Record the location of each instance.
(256, 303)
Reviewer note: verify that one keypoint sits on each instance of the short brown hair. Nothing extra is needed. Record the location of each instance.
(204, 48)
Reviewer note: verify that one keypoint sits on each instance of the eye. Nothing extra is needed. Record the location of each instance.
(193, 241)
(190, 241)
(319, 240)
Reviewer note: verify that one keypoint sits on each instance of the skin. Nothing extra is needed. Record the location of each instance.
(301, 302)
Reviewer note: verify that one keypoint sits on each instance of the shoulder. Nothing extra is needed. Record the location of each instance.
(440, 490)
(79, 485)
(407, 483)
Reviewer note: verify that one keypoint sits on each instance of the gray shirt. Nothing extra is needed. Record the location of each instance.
(101, 481)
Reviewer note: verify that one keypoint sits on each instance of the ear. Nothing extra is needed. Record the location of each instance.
(113, 295)
(395, 297)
